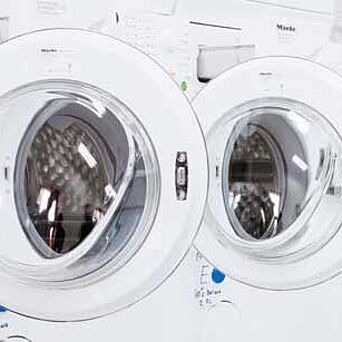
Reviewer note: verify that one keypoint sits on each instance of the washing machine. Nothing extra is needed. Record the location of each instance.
(279, 283)
(104, 184)
(272, 224)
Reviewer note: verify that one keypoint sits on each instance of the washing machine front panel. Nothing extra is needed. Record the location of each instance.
(272, 127)
(102, 156)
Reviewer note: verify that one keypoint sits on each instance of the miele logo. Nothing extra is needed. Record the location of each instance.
(286, 28)
(48, 50)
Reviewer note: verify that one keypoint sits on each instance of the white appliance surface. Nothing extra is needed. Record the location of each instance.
(48, 67)
(162, 316)
(320, 7)
(216, 306)
(228, 33)
(286, 285)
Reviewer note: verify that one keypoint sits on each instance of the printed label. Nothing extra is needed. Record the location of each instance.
(58, 60)
(287, 33)
(166, 39)
(54, 7)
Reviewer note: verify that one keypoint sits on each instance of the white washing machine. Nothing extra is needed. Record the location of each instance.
(104, 175)
(293, 306)
(278, 282)
(273, 218)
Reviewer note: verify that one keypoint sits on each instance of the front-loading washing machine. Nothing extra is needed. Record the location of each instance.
(104, 174)
(230, 305)
(273, 219)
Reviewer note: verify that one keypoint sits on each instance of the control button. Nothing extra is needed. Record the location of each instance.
(181, 176)
(217, 276)
(182, 195)
(181, 157)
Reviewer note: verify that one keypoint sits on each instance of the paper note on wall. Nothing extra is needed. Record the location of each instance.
(165, 38)
(53, 7)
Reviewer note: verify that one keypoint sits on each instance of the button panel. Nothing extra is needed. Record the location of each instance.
(182, 176)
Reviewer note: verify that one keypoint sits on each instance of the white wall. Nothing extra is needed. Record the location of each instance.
(230, 12)
(27, 15)
(319, 6)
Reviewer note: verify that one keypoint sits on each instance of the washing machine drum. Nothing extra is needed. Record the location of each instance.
(273, 130)
(104, 175)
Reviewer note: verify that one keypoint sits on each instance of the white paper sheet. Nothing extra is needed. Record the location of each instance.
(165, 38)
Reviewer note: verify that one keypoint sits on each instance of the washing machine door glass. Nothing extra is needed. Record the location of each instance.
(275, 161)
(101, 163)
(279, 159)
(85, 172)
(254, 183)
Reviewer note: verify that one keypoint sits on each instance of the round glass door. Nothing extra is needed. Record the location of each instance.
(255, 186)
(266, 169)
(85, 180)
(279, 162)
